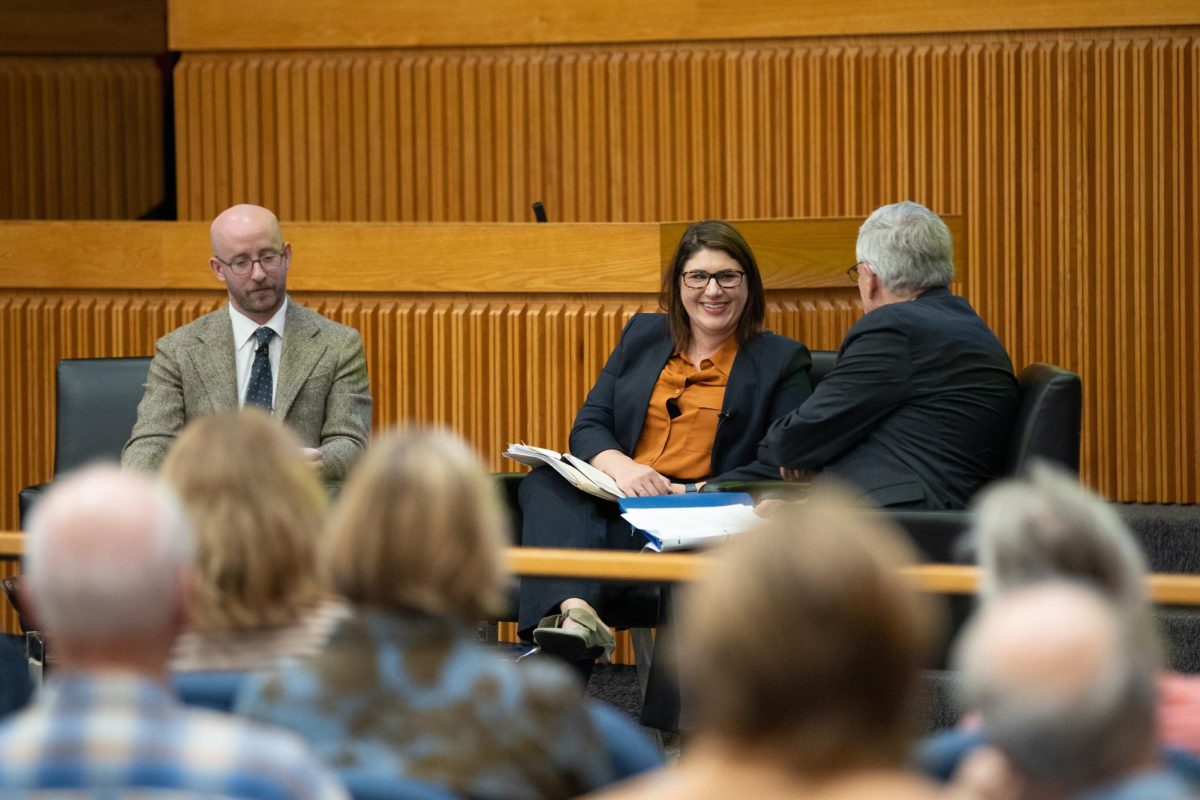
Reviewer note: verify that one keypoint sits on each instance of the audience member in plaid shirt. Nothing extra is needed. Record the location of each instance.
(107, 567)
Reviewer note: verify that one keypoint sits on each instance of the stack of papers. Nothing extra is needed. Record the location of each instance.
(687, 521)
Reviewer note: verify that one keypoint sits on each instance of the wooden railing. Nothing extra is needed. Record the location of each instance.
(1165, 589)
(605, 565)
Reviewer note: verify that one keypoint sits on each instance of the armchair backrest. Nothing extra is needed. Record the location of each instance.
(97, 405)
(822, 362)
(1047, 424)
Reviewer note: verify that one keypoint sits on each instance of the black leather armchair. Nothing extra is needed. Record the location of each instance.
(96, 401)
(1047, 425)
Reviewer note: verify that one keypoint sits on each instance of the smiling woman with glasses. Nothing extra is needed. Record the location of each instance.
(685, 398)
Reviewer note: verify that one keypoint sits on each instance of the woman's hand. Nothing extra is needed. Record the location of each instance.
(634, 479)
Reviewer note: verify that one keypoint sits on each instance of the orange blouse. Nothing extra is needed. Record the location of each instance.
(685, 407)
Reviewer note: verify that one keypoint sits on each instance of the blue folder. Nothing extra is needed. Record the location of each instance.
(687, 500)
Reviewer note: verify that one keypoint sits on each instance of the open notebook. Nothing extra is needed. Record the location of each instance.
(577, 472)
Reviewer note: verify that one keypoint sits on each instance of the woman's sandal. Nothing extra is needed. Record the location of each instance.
(590, 641)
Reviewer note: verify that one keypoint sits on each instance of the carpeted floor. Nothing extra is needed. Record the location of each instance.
(618, 686)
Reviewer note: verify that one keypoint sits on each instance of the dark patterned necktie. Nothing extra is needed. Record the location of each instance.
(258, 390)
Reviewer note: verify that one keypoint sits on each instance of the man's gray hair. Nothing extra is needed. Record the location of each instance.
(1046, 525)
(1069, 731)
(907, 246)
(105, 557)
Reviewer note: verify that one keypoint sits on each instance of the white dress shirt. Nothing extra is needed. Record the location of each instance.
(243, 341)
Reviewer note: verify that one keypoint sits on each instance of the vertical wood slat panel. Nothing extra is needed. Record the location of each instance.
(1072, 154)
(83, 137)
(494, 369)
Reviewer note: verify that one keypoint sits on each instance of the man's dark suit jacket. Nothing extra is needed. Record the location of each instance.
(917, 411)
(769, 378)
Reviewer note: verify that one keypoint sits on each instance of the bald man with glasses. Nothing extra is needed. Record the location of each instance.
(261, 349)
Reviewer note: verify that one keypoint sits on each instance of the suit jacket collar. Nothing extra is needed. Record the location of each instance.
(213, 357)
(741, 390)
(631, 403)
(302, 349)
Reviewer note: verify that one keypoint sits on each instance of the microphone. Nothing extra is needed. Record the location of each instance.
(539, 211)
(724, 415)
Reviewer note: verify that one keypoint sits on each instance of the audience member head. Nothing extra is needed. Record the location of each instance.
(906, 248)
(106, 568)
(1046, 525)
(722, 237)
(251, 258)
(419, 527)
(257, 509)
(1063, 691)
(803, 644)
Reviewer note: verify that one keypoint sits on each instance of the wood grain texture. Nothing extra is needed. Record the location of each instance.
(82, 137)
(66, 27)
(213, 25)
(1073, 156)
(381, 257)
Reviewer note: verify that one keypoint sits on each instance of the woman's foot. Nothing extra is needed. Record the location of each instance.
(577, 634)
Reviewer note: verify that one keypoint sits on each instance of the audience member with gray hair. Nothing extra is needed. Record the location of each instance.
(1066, 698)
(918, 409)
(1045, 525)
(108, 568)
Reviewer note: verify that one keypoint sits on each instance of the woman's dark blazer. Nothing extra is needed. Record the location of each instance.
(769, 379)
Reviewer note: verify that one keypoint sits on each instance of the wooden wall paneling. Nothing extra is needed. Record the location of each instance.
(1056, 147)
(83, 137)
(59, 27)
(363, 24)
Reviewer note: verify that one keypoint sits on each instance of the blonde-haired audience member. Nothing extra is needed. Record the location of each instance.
(402, 689)
(799, 660)
(257, 510)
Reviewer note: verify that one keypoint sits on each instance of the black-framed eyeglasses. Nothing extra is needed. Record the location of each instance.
(726, 279)
(852, 273)
(271, 259)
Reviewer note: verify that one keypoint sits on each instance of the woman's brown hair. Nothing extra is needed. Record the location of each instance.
(712, 234)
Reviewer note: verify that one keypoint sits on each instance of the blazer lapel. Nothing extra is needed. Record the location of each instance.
(741, 392)
(302, 349)
(632, 402)
(213, 358)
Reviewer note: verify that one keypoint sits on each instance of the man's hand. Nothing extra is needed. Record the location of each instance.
(795, 475)
(313, 456)
(769, 508)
